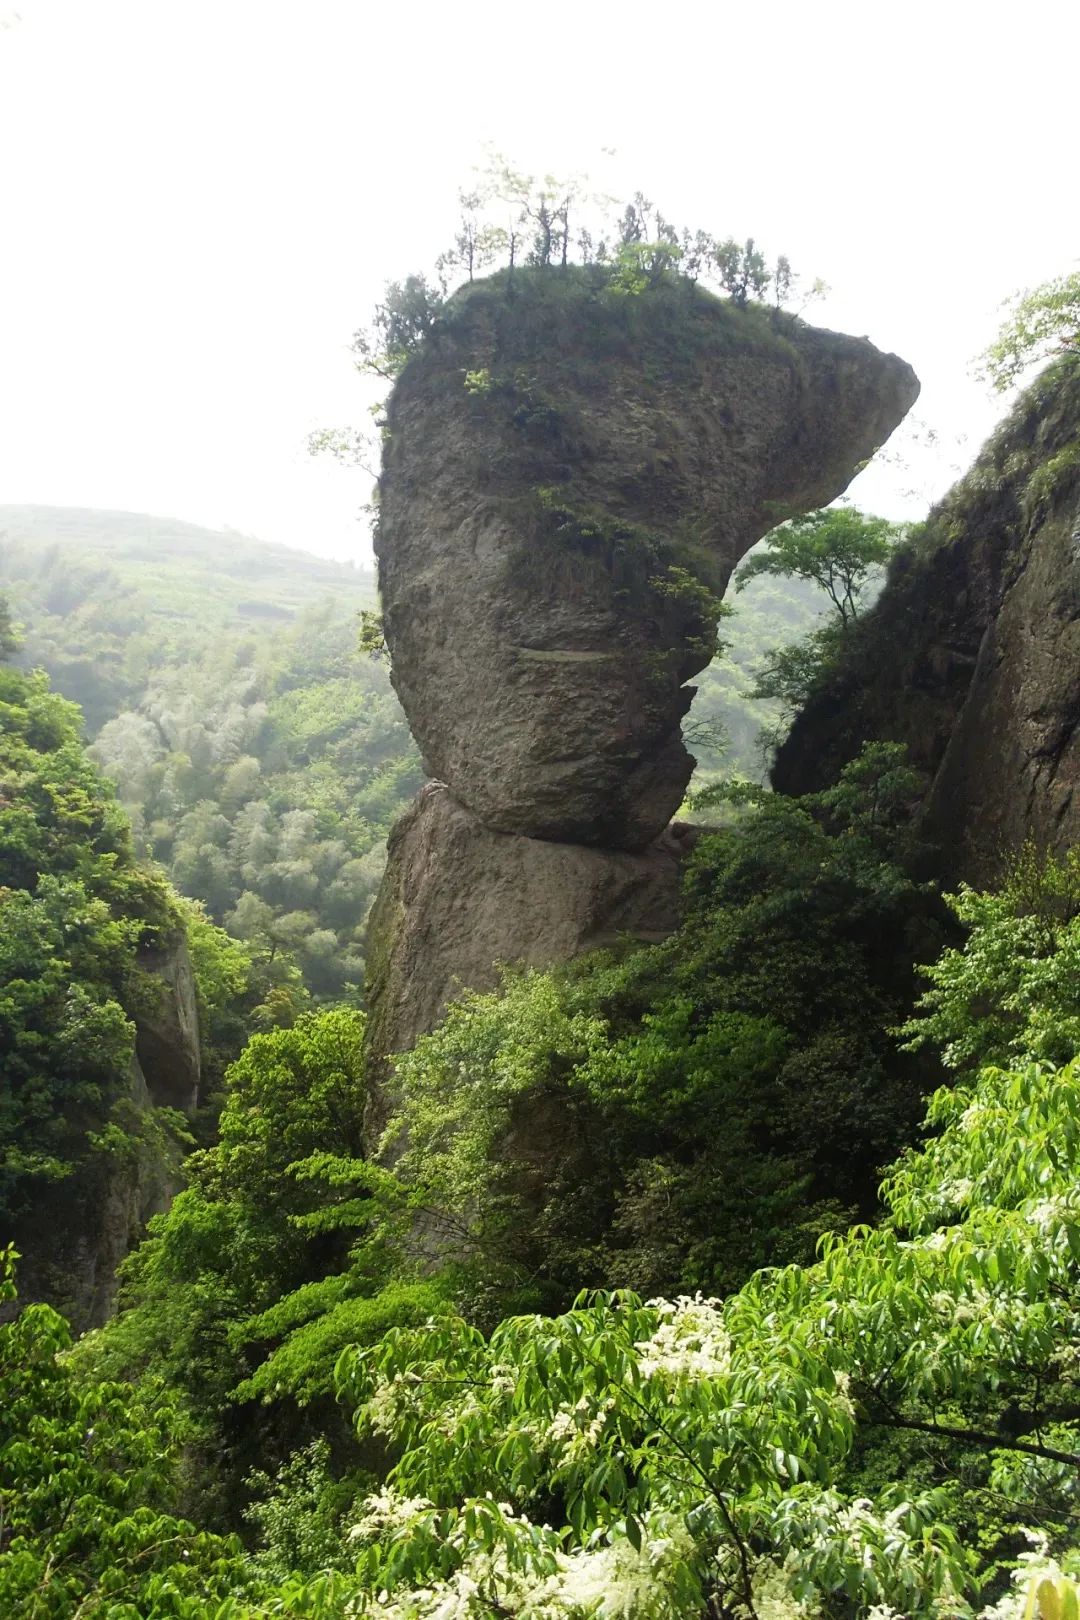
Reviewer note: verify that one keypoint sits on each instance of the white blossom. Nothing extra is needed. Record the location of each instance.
(691, 1340)
(386, 1510)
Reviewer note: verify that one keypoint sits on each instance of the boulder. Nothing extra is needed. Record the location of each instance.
(569, 479)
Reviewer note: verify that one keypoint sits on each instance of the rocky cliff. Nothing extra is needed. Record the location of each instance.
(167, 1026)
(569, 479)
(972, 655)
(73, 1245)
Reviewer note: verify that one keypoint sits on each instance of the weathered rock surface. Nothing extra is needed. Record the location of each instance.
(569, 480)
(167, 1027)
(457, 899)
(972, 655)
(116, 1202)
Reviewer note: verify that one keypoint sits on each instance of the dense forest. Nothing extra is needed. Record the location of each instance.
(729, 1269)
(261, 759)
(885, 1424)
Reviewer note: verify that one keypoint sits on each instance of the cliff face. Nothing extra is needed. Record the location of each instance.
(112, 1203)
(167, 1027)
(569, 479)
(972, 655)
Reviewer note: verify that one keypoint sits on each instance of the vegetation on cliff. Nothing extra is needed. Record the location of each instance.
(733, 1092)
(1043, 323)
(512, 222)
(966, 657)
(76, 907)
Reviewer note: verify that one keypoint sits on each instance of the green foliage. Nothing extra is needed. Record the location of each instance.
(838, 549)
(479, 383)
(552, 224)
(372, 637)
(1042, 323)
(1053, 477)
(300, 1515)
(885, 1430)
(734, 707)
(743, 272)
(669, 1429)
(698, 1108)
(88, 1481)
(406, 316)
(264, 1269)
(9, 639)
(875, 1431)
(260, 756)
(1013, 989)
(75, 907)
(226, 987)
(789, 675)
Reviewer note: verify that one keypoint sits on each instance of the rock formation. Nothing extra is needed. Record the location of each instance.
(568, 483)
(458, 899)
(972, 655)
(569, 479)
(167, 1027)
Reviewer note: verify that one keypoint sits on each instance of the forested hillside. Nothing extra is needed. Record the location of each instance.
(260, 757)
(889, 1428)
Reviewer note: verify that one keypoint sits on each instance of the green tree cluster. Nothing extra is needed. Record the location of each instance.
(1043, 323)
(265, 1267)
(512, 221)
(89, 1478)
(843, 553)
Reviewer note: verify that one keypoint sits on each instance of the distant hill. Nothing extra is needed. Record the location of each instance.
(182, 573)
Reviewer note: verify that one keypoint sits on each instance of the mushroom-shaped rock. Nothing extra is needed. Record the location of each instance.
(569, 479)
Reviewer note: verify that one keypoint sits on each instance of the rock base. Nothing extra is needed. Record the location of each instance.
(458, 899)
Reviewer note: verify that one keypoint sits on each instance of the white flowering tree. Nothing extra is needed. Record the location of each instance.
(691, 1457)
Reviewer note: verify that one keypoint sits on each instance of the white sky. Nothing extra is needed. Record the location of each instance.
(201, 199)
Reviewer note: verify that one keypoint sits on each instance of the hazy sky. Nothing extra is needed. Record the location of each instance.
(200, 200)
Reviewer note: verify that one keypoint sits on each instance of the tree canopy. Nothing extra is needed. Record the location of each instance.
(889, 1429)
(1042, 323)
(838, 549)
